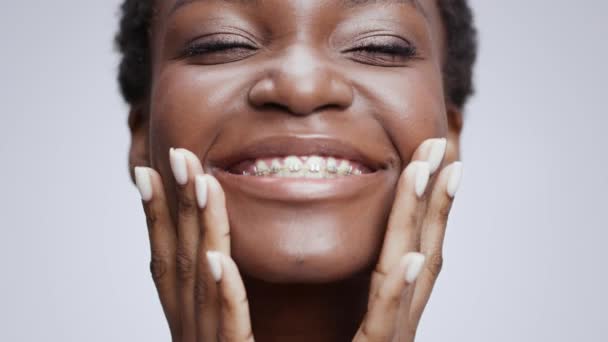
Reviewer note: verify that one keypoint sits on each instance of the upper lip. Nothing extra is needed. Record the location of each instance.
(283, 146)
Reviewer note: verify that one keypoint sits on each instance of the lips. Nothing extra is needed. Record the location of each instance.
(375, 162)
(280, 149)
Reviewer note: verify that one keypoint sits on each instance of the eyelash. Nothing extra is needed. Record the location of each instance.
(403, 51)
(210, 47)
(408, 51)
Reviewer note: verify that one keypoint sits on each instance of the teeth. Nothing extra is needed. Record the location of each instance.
(293, 164)
(345, 168)
(275, 167)
(332, 165)
(261, 168)
(314, 164)
(303, 166)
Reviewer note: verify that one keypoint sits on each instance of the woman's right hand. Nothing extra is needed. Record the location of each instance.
(199, 285)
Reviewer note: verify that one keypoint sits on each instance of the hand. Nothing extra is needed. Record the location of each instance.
(192, 301)
(199, 285)
(402, 281)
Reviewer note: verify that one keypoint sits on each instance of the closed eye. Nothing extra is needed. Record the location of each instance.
(393, 49)
(218, 49)
(211, 47)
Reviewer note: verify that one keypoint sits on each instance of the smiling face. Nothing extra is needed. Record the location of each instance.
(306, 112)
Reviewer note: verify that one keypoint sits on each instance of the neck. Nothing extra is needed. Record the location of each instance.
(307, 312)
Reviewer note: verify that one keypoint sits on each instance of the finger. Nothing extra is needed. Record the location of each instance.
(162, 241)
(434, 226)
(403, 224)
(432, 151)
(215, 218)
(185, 166)
(235, 322)
(380, 322)
(215, 231)
(403, 232)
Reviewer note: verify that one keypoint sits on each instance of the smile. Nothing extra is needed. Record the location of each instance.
(317, 167)
(301, 169)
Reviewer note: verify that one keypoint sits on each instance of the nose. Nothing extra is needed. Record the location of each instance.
(301, 83)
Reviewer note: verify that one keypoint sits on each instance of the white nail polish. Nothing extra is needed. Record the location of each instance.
(200, 186)
(413, 265)
(179, 166)
(422, 177)
(437, 153)
(454, 179)
(143, 182)
(215, 265)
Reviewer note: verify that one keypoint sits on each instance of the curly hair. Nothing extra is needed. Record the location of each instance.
(132, 41)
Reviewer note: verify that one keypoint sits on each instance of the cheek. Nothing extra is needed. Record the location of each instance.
(189, 107)
(410, 106)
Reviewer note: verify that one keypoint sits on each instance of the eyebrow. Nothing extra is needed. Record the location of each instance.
(345, 3)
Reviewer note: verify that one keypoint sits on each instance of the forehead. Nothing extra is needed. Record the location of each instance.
(427, 9)
(343, 3)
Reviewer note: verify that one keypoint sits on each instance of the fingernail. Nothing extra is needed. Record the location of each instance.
(413, 265)
(200, 185)
(437, 153)
(215, 265)
(178, 166)
(143, 182)
(191, 159)
(454, 179)
(422, 177)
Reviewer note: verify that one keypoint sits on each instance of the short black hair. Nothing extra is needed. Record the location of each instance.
(132, 41)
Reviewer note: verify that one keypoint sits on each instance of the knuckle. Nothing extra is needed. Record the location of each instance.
(443, 213)
(369, 332)
(184, 264)
(365, 333)
(435, 263)
(158, 265)
(379, 272)
(152, 218)
(226, 301)
(200, 293)
(244, 301)
(389, 299)
(186, 205)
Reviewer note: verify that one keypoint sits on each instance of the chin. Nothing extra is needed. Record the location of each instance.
(316, 239)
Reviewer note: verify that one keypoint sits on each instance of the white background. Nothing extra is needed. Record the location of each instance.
(525, 250)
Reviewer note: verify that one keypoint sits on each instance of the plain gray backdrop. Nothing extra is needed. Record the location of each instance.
(525, 250)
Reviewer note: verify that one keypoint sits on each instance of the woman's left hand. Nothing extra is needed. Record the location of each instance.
(411, 256)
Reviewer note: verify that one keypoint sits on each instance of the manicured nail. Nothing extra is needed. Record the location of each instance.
(215, 264)
(422, 177)
(454, 179)
(437, 153)
(191, 159)
(200, 185)
(413, 265)
(143, 182)
(178, 166)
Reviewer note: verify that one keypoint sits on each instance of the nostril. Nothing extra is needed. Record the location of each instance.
(276, 106)
(327, 107)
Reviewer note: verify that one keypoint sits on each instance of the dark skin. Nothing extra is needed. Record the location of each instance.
(310, 265)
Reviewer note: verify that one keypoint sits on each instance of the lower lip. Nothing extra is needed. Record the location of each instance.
(300, 189)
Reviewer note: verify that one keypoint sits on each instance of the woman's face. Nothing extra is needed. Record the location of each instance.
(244, 82)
